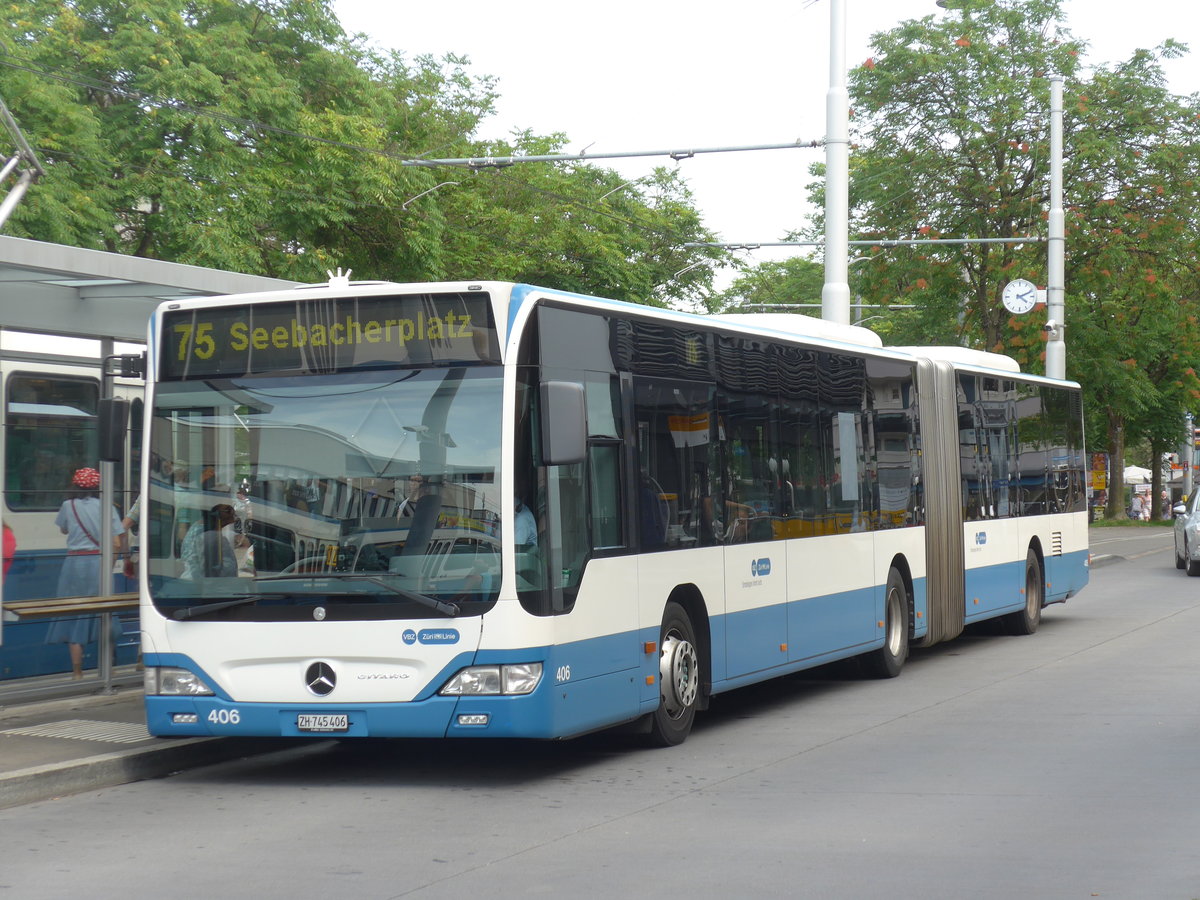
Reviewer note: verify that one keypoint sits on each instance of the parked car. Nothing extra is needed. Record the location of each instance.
(1187, 534)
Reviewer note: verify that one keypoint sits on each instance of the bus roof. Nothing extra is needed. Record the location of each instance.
(964, 356)
(804, 326)
(795, 325)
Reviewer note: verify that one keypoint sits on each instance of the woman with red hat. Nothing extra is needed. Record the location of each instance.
(79, 519)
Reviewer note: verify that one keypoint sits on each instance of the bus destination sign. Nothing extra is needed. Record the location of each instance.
(324, 336)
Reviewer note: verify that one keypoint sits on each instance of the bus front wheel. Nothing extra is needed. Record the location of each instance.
(888, 660)
(678, 679)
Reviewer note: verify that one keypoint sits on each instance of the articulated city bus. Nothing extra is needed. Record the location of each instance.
(484, 509)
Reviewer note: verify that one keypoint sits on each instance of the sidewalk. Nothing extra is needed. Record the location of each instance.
(56, 747)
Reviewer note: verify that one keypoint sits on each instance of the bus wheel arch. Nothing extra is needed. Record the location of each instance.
(900, 564)
(888, 660)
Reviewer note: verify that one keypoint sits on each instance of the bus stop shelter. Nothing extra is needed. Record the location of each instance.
(59, 291)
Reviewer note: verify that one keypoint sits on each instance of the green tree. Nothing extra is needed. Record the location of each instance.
(1132, 239)
(950, 115)
(173, 128)
(771, 285)
(573, 226)
(259, 137)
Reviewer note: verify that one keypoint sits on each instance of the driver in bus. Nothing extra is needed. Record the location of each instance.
(524, 526)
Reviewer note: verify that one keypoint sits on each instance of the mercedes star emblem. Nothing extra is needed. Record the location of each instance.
(320, 678)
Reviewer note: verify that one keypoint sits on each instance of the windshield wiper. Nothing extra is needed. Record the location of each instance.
(443, 606)
(191, 612)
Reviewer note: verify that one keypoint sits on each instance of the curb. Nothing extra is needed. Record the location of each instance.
(38, 783)
(24, 709)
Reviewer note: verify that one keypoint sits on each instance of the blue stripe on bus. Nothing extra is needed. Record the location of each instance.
(1066, 575)
(585, 684)
(555, 709)
(992, 590)
(999, 587)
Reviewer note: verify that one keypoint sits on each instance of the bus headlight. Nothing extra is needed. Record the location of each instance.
(167, 681)
(521, 678)
(517, 678)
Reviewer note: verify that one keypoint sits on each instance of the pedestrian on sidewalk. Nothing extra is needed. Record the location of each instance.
(79, 519)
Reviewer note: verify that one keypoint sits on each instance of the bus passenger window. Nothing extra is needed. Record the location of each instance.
(50, 432)
(677, 458)
(605, 472)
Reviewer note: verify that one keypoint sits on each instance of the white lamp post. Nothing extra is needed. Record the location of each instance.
(835, 294)
(1056, 346)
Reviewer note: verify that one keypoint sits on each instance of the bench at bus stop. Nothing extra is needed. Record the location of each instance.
(105, 606)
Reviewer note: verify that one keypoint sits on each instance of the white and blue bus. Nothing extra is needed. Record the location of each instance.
(492, 510)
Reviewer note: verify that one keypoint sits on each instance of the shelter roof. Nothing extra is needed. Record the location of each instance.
(55, 289)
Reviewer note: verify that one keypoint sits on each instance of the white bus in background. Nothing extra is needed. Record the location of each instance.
(536, 514)
(51, 388)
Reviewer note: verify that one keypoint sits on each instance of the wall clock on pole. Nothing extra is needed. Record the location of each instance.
(1019, 296)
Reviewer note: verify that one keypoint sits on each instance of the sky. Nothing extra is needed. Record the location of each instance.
(633, 75)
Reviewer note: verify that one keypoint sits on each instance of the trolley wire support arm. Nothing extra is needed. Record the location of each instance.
(500, 162)
(882, 242)
(24, 159)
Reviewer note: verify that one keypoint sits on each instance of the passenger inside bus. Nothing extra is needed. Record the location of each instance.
(208, 548)
(655, 513)
(412, 494)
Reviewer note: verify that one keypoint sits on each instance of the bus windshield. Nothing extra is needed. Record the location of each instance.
(354, 495)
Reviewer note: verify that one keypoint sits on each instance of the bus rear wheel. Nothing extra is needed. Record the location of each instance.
(678, 679)
(1030, 616)
(888, 660)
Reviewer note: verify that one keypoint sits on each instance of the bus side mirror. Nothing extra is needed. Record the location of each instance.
(564, 423)
(114, 418)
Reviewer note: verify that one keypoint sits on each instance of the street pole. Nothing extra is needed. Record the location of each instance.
(1189, 454)
(835, 294)
(1056, 345)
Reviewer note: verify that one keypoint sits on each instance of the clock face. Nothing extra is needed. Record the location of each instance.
(1019, 296)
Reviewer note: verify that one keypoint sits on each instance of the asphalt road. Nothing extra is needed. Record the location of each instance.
(1065, 764)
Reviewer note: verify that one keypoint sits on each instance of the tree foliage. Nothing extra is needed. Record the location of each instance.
(259, 137)
(785, 283)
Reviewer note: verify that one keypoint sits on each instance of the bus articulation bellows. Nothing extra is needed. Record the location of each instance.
(483, 509)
